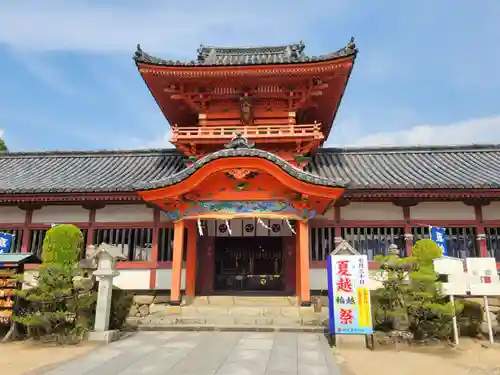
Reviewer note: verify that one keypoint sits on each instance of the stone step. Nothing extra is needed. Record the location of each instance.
(244, 301)
(230, 328)
(230, 320)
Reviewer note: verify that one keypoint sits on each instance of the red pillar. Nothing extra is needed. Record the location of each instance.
(297, 260)
(26, 230)
(175, 287)
(154, 247)
(205, 279)
(289, 264)
(408, 234)
(303, 240)
(191, 259)
(480, 235)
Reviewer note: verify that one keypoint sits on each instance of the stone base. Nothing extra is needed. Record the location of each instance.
(104, 336)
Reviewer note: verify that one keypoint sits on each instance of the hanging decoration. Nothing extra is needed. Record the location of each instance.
(228, 228)
(290, 226)
(262, 223)
(200, 228)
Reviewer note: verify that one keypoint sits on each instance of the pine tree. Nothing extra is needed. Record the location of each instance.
(55, 308)
(429, 310)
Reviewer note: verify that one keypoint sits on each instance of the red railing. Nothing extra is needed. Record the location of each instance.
(256, 131)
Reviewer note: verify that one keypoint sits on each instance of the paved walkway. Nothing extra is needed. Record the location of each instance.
(208, 353)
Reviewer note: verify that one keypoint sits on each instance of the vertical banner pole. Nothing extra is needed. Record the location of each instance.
(488, 319)
(454, 320)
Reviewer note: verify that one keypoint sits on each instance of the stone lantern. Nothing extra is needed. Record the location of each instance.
(105, 257)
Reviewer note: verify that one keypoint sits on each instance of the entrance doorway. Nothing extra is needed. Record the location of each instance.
(249, 264)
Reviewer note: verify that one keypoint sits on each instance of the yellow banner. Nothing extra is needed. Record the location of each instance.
(364, 313)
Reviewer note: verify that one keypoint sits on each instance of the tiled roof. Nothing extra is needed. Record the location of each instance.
(89, 171)
(471, 167)
(220, 56)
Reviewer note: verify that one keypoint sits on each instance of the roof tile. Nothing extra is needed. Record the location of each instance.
(470, 167)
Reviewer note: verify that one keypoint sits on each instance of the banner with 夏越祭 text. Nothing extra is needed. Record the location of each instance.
(349, 295)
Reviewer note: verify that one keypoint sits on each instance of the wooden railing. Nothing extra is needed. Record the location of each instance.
(251, 132)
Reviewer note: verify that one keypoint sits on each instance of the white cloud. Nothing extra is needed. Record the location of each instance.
(162, 26)
(478, 130)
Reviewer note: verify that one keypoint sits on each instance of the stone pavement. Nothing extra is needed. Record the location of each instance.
(208, 353)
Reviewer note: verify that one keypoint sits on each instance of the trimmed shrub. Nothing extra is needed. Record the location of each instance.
(63, 245)
(121, 303)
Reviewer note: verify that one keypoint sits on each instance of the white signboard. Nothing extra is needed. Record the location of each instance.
(480, 279)
(483, 276)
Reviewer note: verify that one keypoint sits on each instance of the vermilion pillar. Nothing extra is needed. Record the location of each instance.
(191, 260)
(297, 260)
(175, 287)
(304, 283)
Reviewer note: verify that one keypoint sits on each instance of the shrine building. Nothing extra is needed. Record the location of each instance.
(249, 201)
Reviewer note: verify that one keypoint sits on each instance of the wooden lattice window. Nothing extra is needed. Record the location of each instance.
(493, 242)
(461, 242)
(17, 240)
(166, 244)
(134, 243)
(322, 242)
(374, 241)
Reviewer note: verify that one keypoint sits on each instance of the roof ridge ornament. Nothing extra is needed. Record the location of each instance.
(238, 141)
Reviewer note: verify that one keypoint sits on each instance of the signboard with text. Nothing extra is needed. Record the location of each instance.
(349, 295)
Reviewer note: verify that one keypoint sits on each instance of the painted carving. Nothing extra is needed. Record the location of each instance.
(241, 173)
(246, 111)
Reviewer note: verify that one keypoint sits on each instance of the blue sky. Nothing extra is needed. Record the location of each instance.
(428, 72)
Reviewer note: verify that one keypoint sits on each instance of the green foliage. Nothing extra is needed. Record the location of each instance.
(426, 250)
(121, 302)
(410, 297)
(63, 244)
(53, 307)
(3, 146)
(470, 317)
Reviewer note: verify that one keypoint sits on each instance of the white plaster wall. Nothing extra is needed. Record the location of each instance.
(10, 214)
(371, 211)
(132, 279)
(491, 211)
(442, 211)
(164, 279)
(60, 215)
(124, 213)
(319, 280)
(328, 215)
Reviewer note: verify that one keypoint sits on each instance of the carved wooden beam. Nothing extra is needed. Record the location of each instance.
(477, 202)
(342, 202)
(30, 206)
(405, 202)
(96, 205)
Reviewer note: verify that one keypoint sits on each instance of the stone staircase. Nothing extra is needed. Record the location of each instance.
(235, 313)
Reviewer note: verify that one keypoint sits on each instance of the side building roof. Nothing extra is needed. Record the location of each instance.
(364, 169)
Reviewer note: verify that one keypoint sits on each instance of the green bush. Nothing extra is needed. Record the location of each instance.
(470, 317)
(411, 298)
(121, 302)
(63, 245)
(54, 308)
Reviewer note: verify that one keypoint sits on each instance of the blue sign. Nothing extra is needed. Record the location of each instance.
(348, 295)
(438, 235)
(5, 242)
